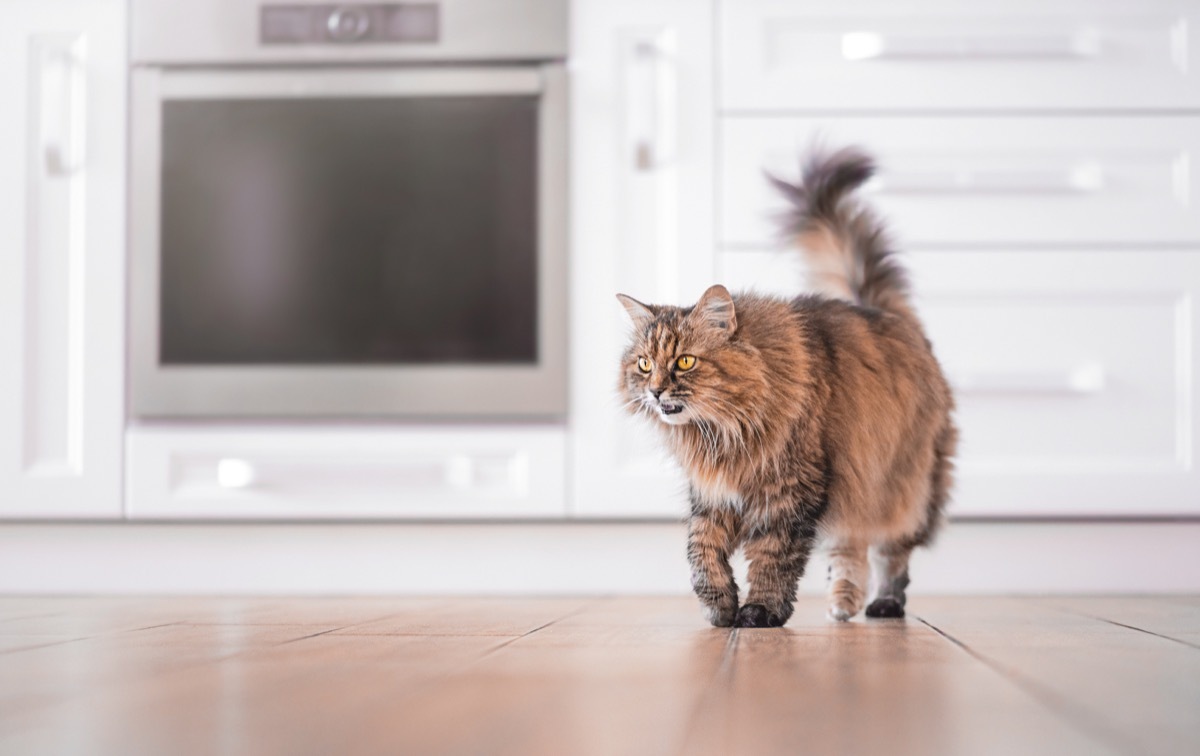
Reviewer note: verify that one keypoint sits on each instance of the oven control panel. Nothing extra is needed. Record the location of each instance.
(348, 24)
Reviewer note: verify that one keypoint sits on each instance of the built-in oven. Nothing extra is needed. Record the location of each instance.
(348, 210)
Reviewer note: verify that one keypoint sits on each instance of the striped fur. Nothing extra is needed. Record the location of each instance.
(821, 417)
(846, 246)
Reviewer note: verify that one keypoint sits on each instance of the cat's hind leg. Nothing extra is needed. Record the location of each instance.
(889, 560)
(889, 568)
(848, 575)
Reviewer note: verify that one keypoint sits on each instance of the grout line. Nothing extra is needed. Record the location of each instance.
(722, 681)
(22, 617)
(1078, 718)
(510, 641)
(373, 620)
(528, 633)
(148, 627)
(268, 624)
(108, 634)
(1079, 613)
(36, 646)
(427, 634)
(1140, 630)
(456, 670)
(313, 635)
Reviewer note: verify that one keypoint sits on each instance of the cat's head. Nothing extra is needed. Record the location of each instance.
(682, 362)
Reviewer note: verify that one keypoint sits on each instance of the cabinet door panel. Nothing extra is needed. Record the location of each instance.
(985, 181)
(62, 147)
(343, 473)
(876, 55)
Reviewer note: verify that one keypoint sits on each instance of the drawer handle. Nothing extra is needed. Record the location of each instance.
(1084, 379)
(865, 46)
(1086, 177)
(235, 474)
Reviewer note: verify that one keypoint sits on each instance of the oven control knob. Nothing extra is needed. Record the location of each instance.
(348, 24)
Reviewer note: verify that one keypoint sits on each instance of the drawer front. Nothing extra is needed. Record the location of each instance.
(963, 181)
(272, 473)
(782, 55)
(1075, 374)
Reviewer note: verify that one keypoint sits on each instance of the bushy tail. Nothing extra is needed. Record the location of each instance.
(845, 242)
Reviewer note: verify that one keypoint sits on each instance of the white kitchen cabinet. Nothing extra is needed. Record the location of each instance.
(62, 210)
(641, 215)
(1040, 155)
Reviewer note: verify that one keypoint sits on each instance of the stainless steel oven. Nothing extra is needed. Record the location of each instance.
(350, 210)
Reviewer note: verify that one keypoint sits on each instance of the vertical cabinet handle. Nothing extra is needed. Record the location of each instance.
(54, 322)
(62, 85)
(650, 92)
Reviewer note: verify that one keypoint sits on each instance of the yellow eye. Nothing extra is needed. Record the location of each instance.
(686, 362)
(643, 364)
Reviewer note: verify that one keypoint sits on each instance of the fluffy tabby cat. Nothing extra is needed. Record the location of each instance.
(819, 417)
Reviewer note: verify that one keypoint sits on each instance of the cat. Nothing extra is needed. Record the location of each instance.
(825, 417)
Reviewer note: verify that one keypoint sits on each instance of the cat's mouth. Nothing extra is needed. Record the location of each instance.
(667, 408)
(670, 408)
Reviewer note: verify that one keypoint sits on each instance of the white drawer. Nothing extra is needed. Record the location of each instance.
(344, 473)
(878, 55)
(1075, 372)
(989, 181)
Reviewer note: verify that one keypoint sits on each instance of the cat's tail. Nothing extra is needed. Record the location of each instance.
(845, 243)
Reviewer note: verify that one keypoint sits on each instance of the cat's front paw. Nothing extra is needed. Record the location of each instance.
(757, 615)
(885, 607)
(722, 614)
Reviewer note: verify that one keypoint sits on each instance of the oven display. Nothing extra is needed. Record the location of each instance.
(342, 24)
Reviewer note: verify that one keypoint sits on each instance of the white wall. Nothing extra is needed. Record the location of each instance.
(551, 558)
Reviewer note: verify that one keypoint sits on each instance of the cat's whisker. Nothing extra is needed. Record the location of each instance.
(626, 403)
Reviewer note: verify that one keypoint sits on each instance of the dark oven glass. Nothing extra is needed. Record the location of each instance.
(349, 231)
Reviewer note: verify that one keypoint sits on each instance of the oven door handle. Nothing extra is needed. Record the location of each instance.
(335, 83)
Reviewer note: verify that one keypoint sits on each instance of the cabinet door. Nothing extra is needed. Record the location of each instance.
(62, 189)
(1075, 385)
(642, 204)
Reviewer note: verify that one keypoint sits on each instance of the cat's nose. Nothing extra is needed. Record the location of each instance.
(657, 392)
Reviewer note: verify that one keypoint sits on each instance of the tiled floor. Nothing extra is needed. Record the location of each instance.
(594, 676)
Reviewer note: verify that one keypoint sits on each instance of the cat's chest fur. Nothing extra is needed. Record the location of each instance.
(714, 485)
(749, 476)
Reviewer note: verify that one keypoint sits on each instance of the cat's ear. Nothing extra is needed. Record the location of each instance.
(715, 310)
(639, 313)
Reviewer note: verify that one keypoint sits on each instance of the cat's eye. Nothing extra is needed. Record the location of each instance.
(643, 364)
(686, 362)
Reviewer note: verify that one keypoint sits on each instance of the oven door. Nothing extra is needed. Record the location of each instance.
(349, 242)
